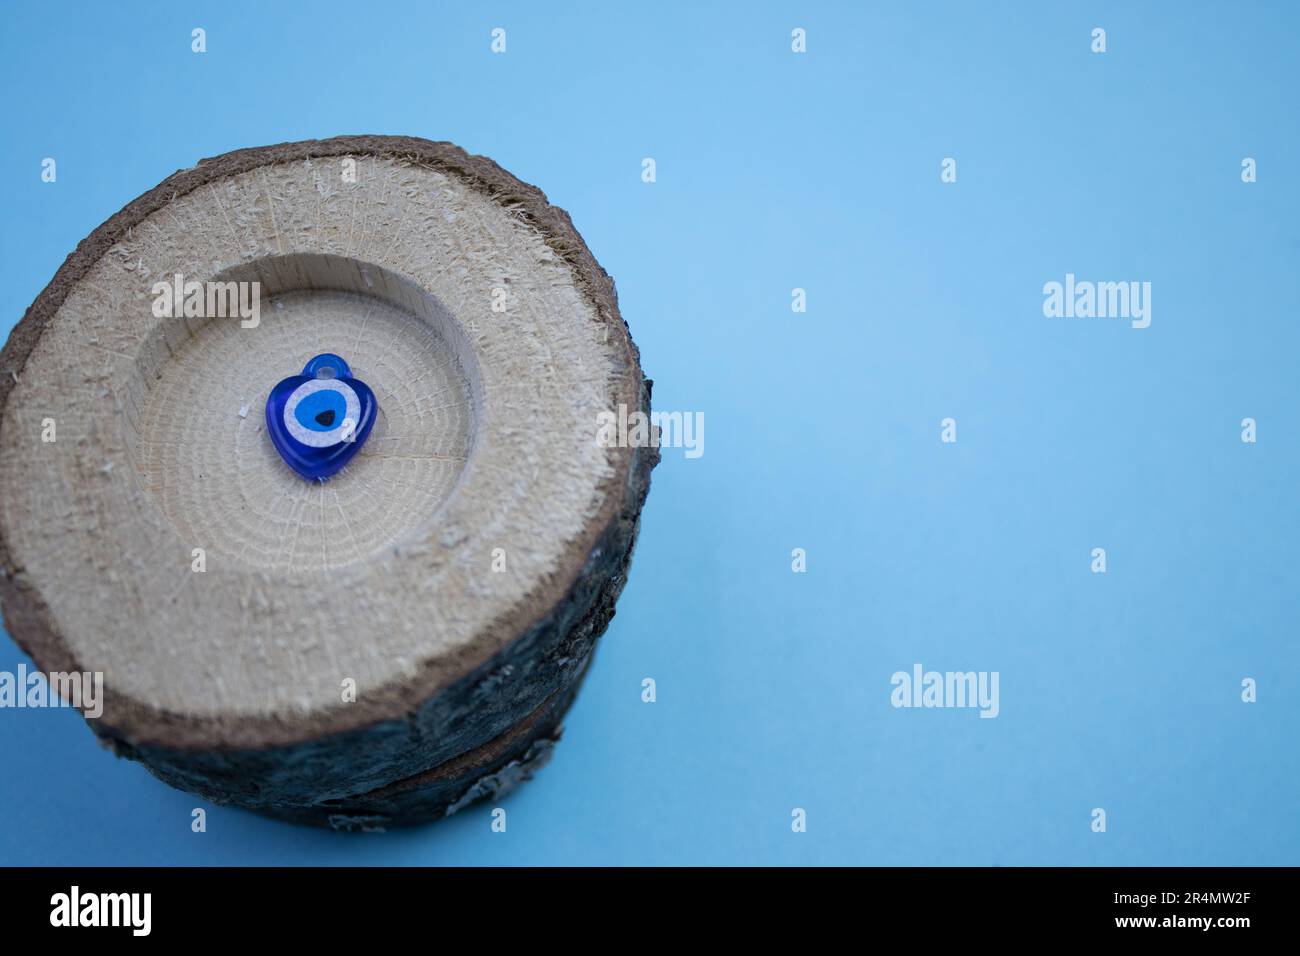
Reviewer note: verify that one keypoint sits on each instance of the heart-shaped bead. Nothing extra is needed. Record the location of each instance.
(319, 419)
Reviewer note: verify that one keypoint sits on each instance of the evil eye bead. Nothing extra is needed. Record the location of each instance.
(321, 413)
(318, 420)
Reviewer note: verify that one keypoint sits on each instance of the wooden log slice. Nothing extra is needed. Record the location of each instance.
(456, 572)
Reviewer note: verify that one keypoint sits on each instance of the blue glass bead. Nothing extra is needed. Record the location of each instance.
(319, 419)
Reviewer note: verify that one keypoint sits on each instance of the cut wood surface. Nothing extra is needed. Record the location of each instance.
(456, 572)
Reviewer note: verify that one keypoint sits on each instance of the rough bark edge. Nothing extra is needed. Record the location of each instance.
(128, 722)
(487, 773)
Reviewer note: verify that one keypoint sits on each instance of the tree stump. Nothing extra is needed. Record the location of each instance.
(379, 648)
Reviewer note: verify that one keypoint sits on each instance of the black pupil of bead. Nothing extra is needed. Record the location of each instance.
(326, 417)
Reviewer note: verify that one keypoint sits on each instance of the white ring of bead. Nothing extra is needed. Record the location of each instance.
(344, 431)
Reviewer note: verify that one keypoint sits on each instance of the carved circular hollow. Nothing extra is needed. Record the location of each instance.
(456, 573)
(200, 442)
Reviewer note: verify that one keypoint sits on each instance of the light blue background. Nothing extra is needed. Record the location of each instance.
(820, 171)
